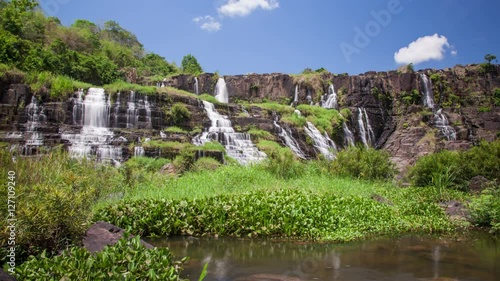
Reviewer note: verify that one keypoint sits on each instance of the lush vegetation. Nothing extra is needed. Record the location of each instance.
(56, 195)
(57, 59)
(458, 167)
(454, 170)
(284, 213)
(126, 260)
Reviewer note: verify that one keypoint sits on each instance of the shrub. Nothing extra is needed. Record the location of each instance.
(496, 97)
(482, 160)
(485, 209)
(146, 163)
(458, 167)
(178, 113)
(126, 260)
(205, 163)
(363, 163)
(55, 196)
(282, 162)
(426, 169)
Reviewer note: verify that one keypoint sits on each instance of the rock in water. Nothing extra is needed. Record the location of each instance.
(102, 234)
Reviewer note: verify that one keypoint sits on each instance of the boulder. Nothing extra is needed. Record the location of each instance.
(478, 184)
(102, 234)
(4, 276)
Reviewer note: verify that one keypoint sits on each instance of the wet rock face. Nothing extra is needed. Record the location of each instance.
(405, 128)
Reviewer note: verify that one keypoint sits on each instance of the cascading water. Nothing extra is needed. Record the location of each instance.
(95, 137)
(295, 96)
(196, 86)
(365, 128)
(348, 135)
(131, 110)
(35, 115)
(322, 143)
(139, 151)
(238, 145)
(221, 93)
(331, 101)
(309, 97)
(427, 91)
(286, 135)
(138, 112)
(441, 122)
(78, 108)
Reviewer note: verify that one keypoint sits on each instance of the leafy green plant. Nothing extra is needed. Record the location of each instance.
(363, 163)
(128, 259)
(178, 113)
(289, 212)
(56, 194)
(485, 209)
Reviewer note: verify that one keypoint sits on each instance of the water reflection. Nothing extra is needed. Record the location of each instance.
(408, 258)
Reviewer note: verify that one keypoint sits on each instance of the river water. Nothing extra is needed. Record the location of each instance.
(406, 258)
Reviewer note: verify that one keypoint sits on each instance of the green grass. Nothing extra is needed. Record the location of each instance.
(120, 86)
(174, 91)
(209, 98)
(257, 135)
(175, 130)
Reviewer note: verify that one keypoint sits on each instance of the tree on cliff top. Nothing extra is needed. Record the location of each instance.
(489, 58)
(190, 65)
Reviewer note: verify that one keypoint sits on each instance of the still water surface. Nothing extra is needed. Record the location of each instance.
(408, 258)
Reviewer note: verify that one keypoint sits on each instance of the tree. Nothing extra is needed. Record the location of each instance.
(14, 14)
(489, 58)
(190, 65)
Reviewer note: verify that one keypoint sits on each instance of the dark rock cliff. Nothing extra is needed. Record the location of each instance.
(393, 101)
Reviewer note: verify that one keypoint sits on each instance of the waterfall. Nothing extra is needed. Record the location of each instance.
(78, 108)
(221, 93)
(365, 129)
(138, 112)
(131, 110)
(196, 86)
(322, 143)
(94, 138)
(289, 140)
(295, 96)
(238, 145)
(427, 91)
(139, 151)
(117, 110)
(348, 135)
(147, 108)
(441, 122)
(331, 101)
(309, 97)
(35, 115)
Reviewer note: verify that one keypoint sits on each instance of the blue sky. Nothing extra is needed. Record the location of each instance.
(264, 36)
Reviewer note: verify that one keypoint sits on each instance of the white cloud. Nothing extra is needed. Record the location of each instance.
(424, 49)
(208, 23)
(241, 8)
